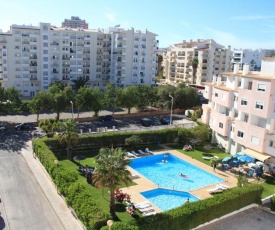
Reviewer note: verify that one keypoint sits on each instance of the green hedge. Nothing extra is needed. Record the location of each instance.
(272, 199)
(87, 210)
(117, 139)
(193, 214)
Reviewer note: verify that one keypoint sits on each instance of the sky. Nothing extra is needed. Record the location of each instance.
(245, 24)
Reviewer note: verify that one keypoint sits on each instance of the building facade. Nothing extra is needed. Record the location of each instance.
(252, 57)
(75, 22)
(212, 59)
(241, 110)
(31, 58)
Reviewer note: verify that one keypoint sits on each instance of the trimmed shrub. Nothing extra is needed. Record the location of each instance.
(193, 214)
(76, 195)
(272, 203)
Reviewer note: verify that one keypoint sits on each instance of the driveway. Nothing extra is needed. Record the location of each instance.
(24, 205)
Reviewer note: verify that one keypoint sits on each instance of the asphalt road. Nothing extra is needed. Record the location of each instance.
(24, 205)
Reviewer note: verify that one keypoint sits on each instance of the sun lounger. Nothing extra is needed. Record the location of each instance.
(144, 204)
(149, 213)
(147, 150)
(135, 176)
(217, 189)
(131, 155)
(223, 186)
(207, 158)
(146, 209)
(134, 153)
(141, 152)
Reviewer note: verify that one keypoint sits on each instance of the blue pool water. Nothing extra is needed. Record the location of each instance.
(168, 199)
(166, 174)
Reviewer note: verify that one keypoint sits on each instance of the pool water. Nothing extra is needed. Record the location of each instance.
(166, 174)
(168, 199)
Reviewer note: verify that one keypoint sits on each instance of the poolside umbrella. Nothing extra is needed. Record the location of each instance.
(79, 158)
(226, 159)
(235, 155)
(253, 165)
(245, 159)
(259, 163)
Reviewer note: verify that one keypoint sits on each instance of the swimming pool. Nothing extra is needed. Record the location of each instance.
(166, 174)
(168, 199)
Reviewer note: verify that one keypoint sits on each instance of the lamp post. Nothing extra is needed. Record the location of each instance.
(56, 168)
(110, 223)
(72, 109)
(172, 98)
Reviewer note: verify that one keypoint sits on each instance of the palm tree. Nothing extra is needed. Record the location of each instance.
(110, 171)
(68, 135)
(80, 82)
(195, 63)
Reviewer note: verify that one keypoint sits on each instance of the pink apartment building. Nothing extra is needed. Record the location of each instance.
(241, 111)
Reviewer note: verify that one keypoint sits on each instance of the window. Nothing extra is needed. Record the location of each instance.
(232, 129)
(250, 85)
(216, 94)
(45, 66)
(246, 118)
(270, 143)
(243, 102)
(45, 51)
(45, 37)
(240, 134)
(259, 105)
(261, 87)
(224, 96)
(45, 44)
(45, 59)
(254, 140)
(220, 125)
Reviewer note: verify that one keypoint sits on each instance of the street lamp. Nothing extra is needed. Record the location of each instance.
(110, 223)
(72, 109)
(56, 168)
(172, 98)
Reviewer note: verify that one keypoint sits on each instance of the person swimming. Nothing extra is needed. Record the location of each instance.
(182, 175)
(164, 161)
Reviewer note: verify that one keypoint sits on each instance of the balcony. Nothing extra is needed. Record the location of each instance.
(66, 37)
(76, 59)
(33, 50)
(87, 38)
(25, 71)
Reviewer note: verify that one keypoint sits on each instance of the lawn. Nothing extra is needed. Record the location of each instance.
(101, 196)
(199, 151)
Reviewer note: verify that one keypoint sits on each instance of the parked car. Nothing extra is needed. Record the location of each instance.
(106, 118)
(165, 121)
(25, 125)
(146, 122)
(3, 128)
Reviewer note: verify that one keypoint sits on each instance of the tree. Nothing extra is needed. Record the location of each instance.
(10, 100)
(163, 92)
(97, 103)
(83, 99)
(195, 63)
(201, 132)
(146, 96)
(111, 97)
(110, 171)
(60, 99)
(68, 135)
(80, 82)
(39, 103)
(49, 126)
(59, 84)
(129, 97)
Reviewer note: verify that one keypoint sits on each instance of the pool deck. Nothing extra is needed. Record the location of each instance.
(143, 184)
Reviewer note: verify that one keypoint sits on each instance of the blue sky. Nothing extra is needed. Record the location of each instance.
(239, 23)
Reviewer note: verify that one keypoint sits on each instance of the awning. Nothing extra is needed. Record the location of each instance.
(255, 154)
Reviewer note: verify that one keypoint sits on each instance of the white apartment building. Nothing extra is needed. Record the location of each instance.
(252, 57)
(31, 57)
(241, 110)
(213, 58)
(75, 22)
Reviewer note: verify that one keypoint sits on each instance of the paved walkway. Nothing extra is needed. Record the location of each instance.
(64, 214)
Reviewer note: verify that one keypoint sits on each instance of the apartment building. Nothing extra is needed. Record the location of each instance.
(75, 22)
(241, 110)
(252, 57)
(212, 59)
(32, 57)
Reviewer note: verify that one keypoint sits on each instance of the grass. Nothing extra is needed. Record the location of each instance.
(199, 151)
(269, 186)
(101, 196)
